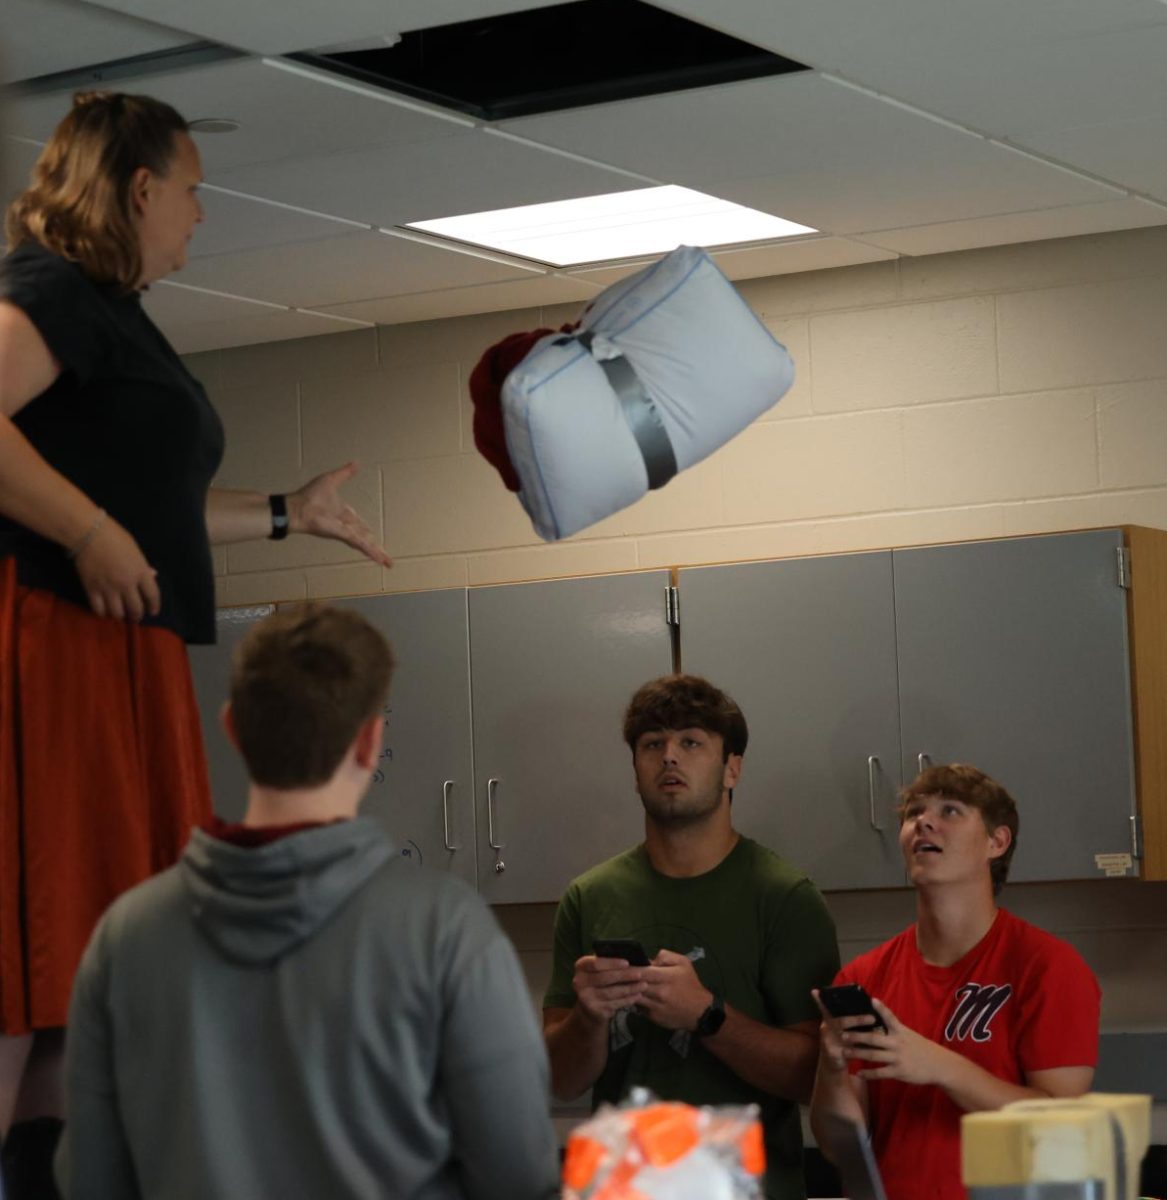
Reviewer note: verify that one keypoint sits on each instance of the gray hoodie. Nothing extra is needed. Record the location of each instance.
(312, 1018)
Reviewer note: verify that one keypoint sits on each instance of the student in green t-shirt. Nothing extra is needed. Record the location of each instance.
(736, 939)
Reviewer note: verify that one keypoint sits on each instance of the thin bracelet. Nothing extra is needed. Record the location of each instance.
(98, 522)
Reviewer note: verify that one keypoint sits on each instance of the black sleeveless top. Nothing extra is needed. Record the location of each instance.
(128, 424)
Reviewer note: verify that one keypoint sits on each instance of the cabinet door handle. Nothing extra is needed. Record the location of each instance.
(491, 788)
(447, 787)
(872, 767)
(922, 762)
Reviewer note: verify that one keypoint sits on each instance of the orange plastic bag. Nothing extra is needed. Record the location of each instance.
(653, 1150)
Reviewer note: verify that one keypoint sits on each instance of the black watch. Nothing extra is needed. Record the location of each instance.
(712, 1019)
(279, 517)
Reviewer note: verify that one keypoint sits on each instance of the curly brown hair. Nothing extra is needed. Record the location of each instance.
(303, 683)
(686, 702)
(959, 781)
(78, 204)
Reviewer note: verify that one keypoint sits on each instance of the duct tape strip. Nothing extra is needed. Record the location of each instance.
(641, 413)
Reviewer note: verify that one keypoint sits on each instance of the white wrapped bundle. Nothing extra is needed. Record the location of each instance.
(666, 367)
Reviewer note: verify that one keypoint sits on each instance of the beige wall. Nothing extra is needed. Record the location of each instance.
(1012, 390)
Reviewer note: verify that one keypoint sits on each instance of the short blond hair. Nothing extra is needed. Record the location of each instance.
(78, 204)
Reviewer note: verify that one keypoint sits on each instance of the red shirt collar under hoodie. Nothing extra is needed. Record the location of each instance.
(249, 836)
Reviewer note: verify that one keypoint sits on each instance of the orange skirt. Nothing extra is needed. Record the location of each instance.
(102, 777)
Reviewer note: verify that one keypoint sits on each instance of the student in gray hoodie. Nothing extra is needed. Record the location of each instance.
(294, 1010)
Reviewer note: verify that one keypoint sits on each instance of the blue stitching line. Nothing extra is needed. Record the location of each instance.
(676, 287)
(625, 328)
(542, 481)
(650, 273)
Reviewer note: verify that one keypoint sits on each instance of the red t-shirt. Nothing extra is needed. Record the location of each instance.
(1020, 1000)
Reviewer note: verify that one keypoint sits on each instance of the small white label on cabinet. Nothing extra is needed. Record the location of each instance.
(1113, 864)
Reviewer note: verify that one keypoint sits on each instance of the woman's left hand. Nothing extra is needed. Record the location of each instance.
(317, 508)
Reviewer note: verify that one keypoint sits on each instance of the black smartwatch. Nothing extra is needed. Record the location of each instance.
(712, 1019)
(279, 517)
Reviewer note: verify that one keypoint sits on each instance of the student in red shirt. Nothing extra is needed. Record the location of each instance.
(981, 1008)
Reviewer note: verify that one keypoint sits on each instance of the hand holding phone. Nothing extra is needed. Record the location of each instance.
(851, 1000)
(603, 985)
(629, 949)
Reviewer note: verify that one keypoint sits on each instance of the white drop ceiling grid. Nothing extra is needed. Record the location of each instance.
(922, 128)
(41, 37)
(357, 266)
(290, 25)
(816, 151)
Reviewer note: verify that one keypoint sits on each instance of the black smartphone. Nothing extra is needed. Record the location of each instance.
(851, 1000)
(628, 949)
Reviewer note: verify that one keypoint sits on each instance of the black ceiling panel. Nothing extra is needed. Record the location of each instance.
(564, 56)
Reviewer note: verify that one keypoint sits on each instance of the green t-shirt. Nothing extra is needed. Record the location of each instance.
(760, 936)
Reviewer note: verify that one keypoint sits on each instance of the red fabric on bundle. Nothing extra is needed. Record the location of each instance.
(102, 778)
(486, 382)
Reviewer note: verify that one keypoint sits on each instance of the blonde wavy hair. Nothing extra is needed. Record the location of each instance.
(79, 204)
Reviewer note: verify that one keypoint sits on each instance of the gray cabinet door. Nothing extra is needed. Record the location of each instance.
(553, 666)
(1013, 656)
(807, 648)
(423, 792)
(211, 668)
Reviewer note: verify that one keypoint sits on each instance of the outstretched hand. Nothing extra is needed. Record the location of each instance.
(317, 508)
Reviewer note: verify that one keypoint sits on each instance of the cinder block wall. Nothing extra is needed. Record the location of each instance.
(1019, 389)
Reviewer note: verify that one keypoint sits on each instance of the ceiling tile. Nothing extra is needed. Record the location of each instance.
(241, 223)
(1071, 221)
(282, 114)
(754, 262)
(810, 28)
(16, 161)
(457, 302)
(303, 24)
(195, 320)
(997, 65)
(813, 151)
(788, 258)
(42, 37)
(1078, 81)
(1132, 152)
(1059, 82)
(170, 302)
(341, 269)
(272, 325)
(424, 180)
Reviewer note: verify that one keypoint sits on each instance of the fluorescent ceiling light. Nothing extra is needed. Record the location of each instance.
(621, 225)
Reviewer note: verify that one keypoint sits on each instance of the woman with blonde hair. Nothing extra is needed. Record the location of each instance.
(108, 446)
